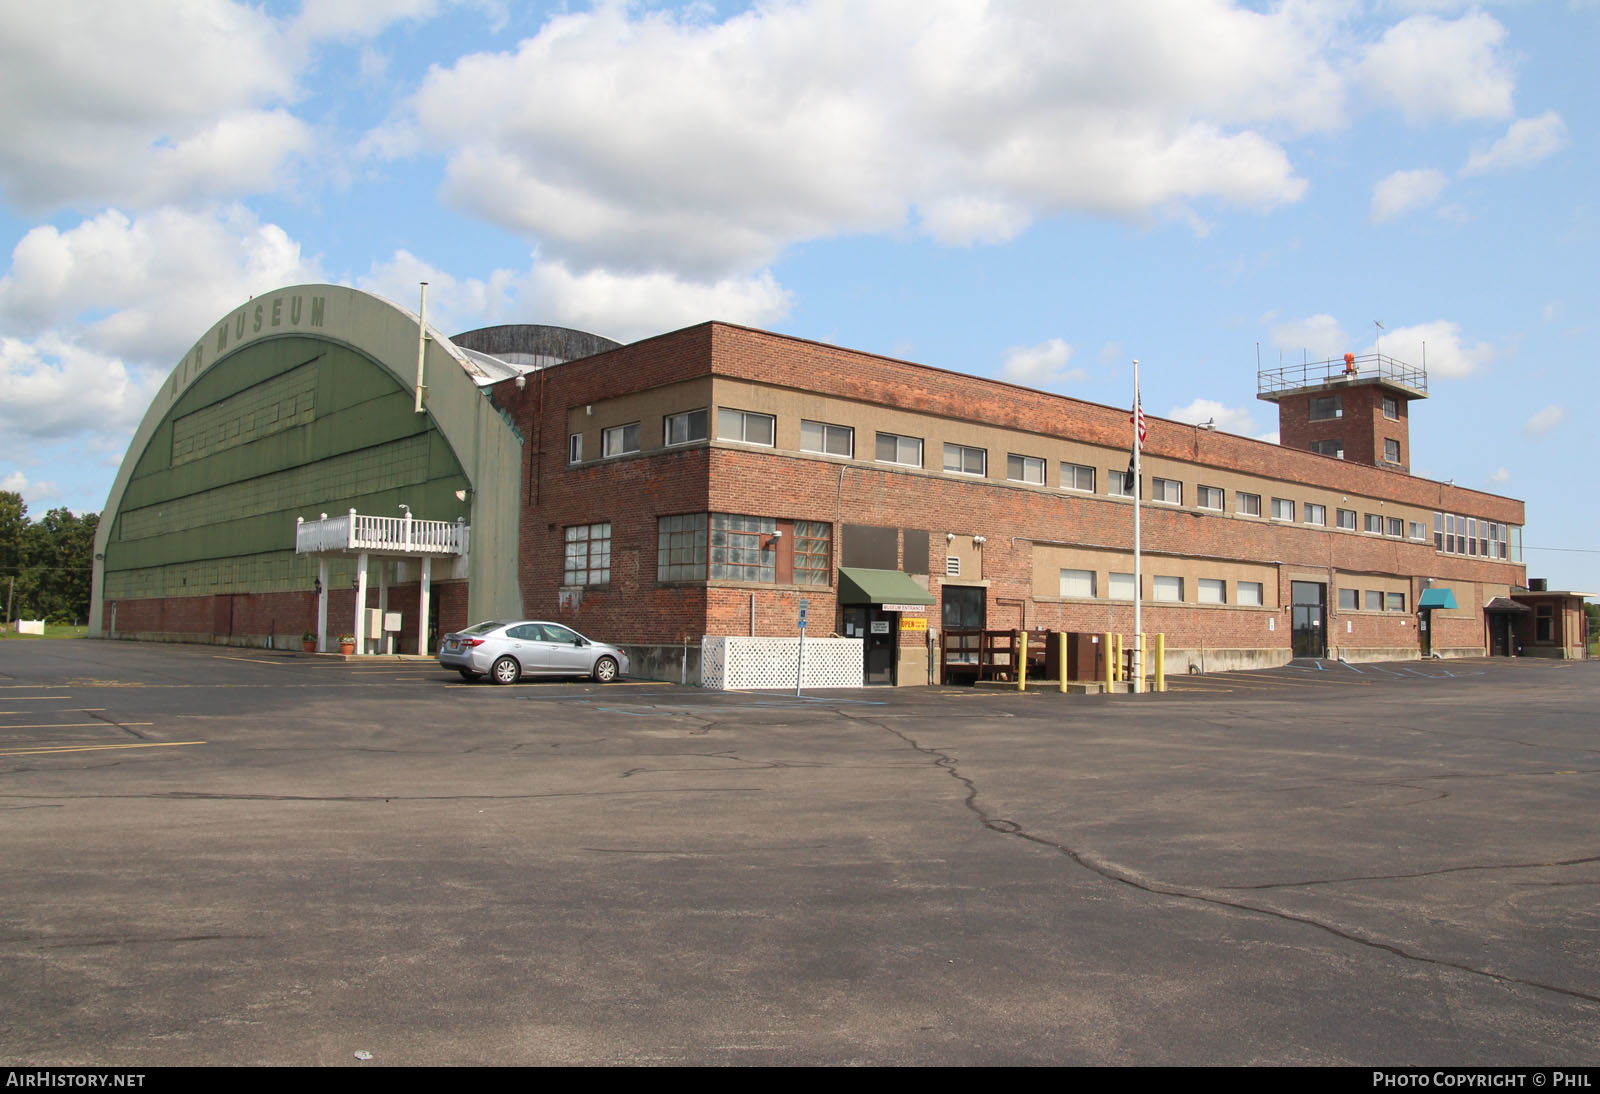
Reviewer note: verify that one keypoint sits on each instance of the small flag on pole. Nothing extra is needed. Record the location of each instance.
(1137, 420)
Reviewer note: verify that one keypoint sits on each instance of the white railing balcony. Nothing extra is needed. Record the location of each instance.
(356, 532)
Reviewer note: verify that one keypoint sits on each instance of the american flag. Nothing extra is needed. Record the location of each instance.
(1137, 417)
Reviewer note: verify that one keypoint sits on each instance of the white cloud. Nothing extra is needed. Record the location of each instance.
(1526, 142)
(641, 140)
(621, 306)
(1499, 476)
(1446, 355)
(51, 389)
(1404, 191)
(1041, 366)
(1228, 419)
(1319, 335)
(1545, 420)
(1427, 67)
(143, 103)
(142, 287)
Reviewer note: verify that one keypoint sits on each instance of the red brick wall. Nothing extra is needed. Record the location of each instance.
(632, 493)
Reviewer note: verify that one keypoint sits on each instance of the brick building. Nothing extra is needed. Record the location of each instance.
(705, 481)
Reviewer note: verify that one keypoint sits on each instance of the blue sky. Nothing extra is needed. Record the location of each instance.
(1034, 191)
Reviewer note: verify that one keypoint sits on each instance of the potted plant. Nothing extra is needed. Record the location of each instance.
(347, 643)
(308, 642)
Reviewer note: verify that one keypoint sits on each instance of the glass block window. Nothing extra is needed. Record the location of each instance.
(681, 548)
(588, 555)
(813, 552)
(743, 548)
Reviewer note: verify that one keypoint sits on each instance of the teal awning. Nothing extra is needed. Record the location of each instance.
(1437, 598)
(860, 586)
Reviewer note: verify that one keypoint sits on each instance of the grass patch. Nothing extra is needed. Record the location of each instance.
(51, 630)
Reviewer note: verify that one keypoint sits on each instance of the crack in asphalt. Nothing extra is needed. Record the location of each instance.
(1424, 873)
(947, 763)
(110, 721)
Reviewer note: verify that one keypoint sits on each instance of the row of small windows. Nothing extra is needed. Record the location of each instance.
(721, 546)
(827, 438)
(1165, 588)
(1325, 408)
(1371, 600)
(1457, 535)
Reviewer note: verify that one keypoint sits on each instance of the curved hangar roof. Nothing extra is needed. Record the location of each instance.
(190, 503)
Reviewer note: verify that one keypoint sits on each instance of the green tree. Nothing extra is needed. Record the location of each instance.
(13, 522)
(58, 560)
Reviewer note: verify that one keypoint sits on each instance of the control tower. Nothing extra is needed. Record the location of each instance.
(1352, 408)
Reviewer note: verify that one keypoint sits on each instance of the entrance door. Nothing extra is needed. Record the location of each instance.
(876, 628)
(1425, 630)
(1308, 606)
(1499, 634)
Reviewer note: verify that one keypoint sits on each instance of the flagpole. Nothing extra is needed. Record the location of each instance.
(1138, 579)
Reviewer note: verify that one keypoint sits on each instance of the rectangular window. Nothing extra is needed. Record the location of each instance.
(1394, 526)
(1472, 536)
(1247, 504)
(1417, 531)
(620, 440)
(1282, 509)
(1167, 588)
(1213, 591)
(1346, 519)
(588, 555)
(813, 552)
(1438, 531)
(1375, 523)
(1119, 587)
(1211, 497)
(1166, 490)
(1394, 602)
(893, 448)
(959, 459)
(1316, 514)
(743, 548)
(1075, 476)
(1374, 600)
(1251, 594)
(1391, 450)
(684, 428)
(1324, 407)
(1391, 408)
(1334, 448)
(1025, 469)
(830, 440)
(1349, 600)
(681, 548)
(1119, 484)
(1078, 583)
(1449, 533)
(745, 426)
(575, 448)
(1544, 623)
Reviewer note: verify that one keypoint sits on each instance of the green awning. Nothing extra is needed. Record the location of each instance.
(859, 586)
(1437, 598)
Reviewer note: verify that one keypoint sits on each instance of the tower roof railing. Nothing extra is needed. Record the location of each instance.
(1365, 367)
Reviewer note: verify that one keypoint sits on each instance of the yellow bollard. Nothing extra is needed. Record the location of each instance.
(1061, 670)
(1138, 663)
(1116, 659)
(1019, 654)
(1109, 671)
(1161, 662)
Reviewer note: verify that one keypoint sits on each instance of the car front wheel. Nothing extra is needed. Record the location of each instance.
(605, 670)
(505, 671)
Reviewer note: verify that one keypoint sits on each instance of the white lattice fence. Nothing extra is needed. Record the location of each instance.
(736, 664)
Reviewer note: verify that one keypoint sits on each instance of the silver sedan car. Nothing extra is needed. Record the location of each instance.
(508, 651)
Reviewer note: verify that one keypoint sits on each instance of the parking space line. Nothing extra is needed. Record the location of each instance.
(59, 749)
(78, 725)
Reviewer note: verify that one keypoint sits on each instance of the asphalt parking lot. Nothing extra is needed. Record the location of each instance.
(222, 856)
